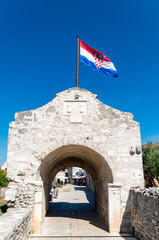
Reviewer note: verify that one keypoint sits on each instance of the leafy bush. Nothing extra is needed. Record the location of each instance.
(150, 155)
(3, 178)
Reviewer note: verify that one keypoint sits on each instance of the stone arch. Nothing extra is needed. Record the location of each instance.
(84, 157)
(75, 126)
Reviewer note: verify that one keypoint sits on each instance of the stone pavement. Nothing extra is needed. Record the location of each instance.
(72, 216)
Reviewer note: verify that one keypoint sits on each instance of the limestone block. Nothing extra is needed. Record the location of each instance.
(112, 152)
(10, 195)
(75, 119)
(75, 107)
(96, 138)
(114, 207)
(124, 149)
(38, 197)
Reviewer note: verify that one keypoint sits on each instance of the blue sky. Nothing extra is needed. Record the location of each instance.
(38, 56)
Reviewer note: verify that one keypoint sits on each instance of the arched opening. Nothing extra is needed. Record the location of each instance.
(83, 157)
(72, 190)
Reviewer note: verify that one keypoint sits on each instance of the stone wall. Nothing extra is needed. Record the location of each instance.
(75, 129)
(16, 224)
(145, 213)
(90, 183)
(20, 195)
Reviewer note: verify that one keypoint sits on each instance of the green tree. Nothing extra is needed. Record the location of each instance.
(3, 178)
(150, 155)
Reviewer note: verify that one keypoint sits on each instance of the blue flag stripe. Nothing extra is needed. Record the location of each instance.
(105, 71)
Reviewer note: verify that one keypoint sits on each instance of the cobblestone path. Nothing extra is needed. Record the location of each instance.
(72, 216)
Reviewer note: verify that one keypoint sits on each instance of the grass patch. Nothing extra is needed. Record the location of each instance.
(3, 206)
(58, 185)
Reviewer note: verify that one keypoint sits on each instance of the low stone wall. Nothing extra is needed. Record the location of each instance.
(145, 213)
(16, 224)
(20, 195)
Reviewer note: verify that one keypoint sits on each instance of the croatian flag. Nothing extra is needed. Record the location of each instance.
(98, 61)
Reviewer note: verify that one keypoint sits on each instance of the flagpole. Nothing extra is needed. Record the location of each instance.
(77, 63)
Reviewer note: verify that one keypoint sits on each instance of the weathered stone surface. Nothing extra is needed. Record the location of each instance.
(16, 224)
(145, 213)
(20, 195)
(114, 214)
(2, 191)
(73, 131)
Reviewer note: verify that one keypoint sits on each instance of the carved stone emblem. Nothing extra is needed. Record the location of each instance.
(75, 108)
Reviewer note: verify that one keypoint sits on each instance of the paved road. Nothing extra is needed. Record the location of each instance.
(73, 197)
(72, 216)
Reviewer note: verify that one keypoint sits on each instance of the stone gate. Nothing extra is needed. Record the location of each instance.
(75, 129)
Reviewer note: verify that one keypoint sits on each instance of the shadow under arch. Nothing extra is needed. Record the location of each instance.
(86, 158)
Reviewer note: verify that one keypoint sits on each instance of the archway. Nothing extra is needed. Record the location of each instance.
(75, 128)
(86, 158)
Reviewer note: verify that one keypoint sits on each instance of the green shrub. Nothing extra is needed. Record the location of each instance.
(150, 155)
(3, 178)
